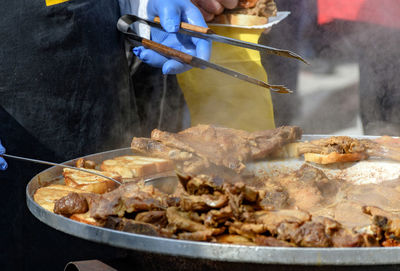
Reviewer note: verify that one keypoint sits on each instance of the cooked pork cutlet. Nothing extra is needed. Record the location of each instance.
(205, 146)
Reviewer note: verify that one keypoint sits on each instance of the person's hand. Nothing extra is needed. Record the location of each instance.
(3, 163)
(210, 8)
(171, 13)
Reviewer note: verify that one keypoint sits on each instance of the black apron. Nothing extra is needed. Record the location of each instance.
(64, 92)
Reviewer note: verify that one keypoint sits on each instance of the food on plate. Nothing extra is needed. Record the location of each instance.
(46, 196)
(84, 163)
(87, 219)
(89, 182)
(209, 148)
(315, 211)
(248, 13)
(218, 201)
(71, 204)
(131, 166)
(337, 149)
(332, 150)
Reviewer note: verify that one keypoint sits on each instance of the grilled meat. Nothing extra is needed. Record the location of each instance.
(71, 204)
(127, 198)
(129, 225)
(346, 149)
(338, 144)
(204, 202)
(311, 234)
(201, 147)
(235, 213)
(156, 218)
(302, 208)
(182, 220)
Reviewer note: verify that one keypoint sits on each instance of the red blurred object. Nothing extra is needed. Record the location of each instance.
(381, 12)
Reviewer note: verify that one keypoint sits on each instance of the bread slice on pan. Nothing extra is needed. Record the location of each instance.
(334, 157)
(87, 219)
(89, 182)
(48, 195)
(131, 166)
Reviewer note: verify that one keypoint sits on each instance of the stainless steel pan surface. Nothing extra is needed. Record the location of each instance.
(362, 172)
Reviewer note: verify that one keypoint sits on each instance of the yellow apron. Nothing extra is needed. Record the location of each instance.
(216, 98)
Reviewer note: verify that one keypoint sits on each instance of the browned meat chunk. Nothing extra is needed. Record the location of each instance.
(268, 141)
(81, 162)
(268, 221)
(154, 148)
(268, 241)
(239, 194)
(244, 209)
(248, 230)
(128, 198)
(204, 202)
(205, 146)
(275, 199)
(201, 184)
(375, 211)
(129, 225)
(311, 234)
(182, 220)
(340, 237)
(388, 222)
(346, 238)
(71, 204)
(272, 219)
(207, 143)
(286, 231)
(215, 217)
(338, 144)
(157, 218)
(309, 188)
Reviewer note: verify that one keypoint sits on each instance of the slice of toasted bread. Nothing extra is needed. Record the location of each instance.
(130, 166)
(86, 218)
(47, 196)
(89, 182)
(334, 157)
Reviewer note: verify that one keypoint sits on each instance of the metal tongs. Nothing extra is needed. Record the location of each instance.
(126, 21)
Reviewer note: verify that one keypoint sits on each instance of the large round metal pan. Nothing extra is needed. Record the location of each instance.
(368, 171)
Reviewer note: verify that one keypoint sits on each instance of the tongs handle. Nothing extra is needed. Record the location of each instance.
(187, 26)
(200, 63)
(168, 51)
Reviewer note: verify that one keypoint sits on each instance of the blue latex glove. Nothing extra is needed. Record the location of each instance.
(3, 163)
(171, 13)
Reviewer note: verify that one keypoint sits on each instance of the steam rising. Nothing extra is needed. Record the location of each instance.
(370, 47)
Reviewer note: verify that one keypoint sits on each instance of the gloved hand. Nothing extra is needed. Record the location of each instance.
(3, 163)
(210, 8)
(171, 13)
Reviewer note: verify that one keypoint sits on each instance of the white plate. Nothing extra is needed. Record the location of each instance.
(271, 21)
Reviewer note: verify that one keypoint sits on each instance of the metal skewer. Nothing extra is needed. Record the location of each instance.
(59, 165)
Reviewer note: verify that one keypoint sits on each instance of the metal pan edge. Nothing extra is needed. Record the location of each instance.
(204, 250)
